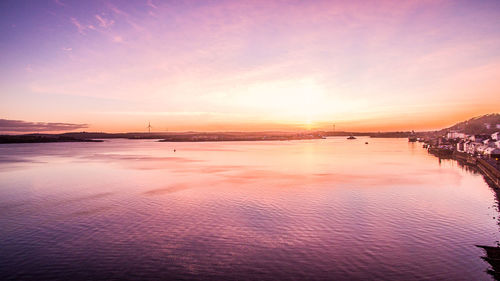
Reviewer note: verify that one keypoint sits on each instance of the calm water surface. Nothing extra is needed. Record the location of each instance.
(293, 210)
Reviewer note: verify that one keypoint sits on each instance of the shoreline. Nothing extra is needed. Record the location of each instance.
(192, 136)
(485, 168)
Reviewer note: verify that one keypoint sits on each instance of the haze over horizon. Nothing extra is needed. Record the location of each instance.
(248, 65)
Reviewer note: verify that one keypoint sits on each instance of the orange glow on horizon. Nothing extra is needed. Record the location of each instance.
(238, 66)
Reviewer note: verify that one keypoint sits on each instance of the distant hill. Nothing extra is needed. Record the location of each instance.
(485, 124)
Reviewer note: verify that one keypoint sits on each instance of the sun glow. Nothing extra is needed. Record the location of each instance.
(284, 101)
(223, 65)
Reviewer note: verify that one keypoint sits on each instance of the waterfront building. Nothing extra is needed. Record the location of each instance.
(495, 136)
(455, 135)
(492, 152)
(469, 147)
(461, 146)
(481, 149)
(497, 144)
(475, 147)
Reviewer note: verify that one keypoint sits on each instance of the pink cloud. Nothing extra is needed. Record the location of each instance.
(151, 4)
(103, 22)
(60, 3)
(81, 28)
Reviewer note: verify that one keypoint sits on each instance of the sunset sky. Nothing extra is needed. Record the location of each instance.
(248, 65)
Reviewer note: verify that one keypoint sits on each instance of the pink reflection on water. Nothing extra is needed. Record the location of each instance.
(278, 209)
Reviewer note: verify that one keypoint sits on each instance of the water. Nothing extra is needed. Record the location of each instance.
(316, 209)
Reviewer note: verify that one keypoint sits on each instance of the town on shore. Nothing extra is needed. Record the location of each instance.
(479, 147)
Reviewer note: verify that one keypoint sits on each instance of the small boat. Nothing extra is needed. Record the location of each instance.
(412, 137)
(366, 142)
(351, 138)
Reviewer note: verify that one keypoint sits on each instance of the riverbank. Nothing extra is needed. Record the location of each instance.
(489, 168)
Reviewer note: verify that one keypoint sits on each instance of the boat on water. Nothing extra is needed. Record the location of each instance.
(412, 137)
(351, 138)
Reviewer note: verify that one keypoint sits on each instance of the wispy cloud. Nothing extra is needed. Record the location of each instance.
(117, 11)
(60, 3)
(151, 4)
(24, 126)
(81, 28)
(286, 61)
(171, 113)
(104, 22)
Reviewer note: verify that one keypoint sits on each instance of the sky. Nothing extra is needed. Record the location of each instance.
(254, 65)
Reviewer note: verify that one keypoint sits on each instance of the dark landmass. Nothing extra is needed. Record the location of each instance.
(238, 136)
(36, 138)
(166, 137)
(474, 125)
(391, 134)
(190, 136)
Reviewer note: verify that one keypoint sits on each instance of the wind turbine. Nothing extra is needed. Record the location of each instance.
(149, 127)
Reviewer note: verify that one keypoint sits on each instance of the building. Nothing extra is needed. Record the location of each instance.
(492, 152)
(461, 146)
(455, 135)
(481, 149)
(495, 136)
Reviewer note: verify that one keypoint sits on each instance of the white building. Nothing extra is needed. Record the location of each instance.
(481, 149)
(495, 136)
(473, 147)
(492, 151)
(455, 135)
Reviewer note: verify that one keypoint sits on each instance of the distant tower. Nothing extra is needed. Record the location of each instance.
(333, 127)
(149, 127)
